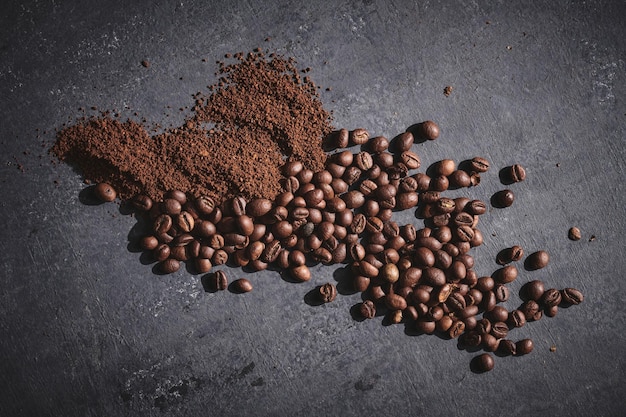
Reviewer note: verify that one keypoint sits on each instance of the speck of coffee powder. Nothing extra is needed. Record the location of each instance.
(259, 114)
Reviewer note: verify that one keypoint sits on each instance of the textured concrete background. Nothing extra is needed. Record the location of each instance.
(87, 330)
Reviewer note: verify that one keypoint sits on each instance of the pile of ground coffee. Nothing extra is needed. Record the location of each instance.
(259, 114)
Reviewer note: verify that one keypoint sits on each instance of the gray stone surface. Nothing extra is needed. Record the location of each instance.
(87, 330)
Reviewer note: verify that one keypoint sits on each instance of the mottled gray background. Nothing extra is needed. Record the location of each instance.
(87, 330)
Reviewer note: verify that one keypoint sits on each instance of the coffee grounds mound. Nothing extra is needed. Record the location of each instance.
(259, 115)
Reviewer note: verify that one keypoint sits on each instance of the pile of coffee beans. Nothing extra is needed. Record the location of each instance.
(423, 277)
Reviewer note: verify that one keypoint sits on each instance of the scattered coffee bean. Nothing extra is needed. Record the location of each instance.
(105, 192)
(537, 260)
(574, 233)
(508, 255)
(503, 198)
(571, 296)
(242, 285)
(327, 292)
(524, 347)
(429, 130)
(367, 309)
(515, 173)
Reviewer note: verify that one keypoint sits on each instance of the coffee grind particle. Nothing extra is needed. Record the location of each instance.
(259, 115)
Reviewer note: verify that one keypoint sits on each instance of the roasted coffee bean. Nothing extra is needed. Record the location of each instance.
(456, 329)
(403, 142)
(351, 175)
(358, 136)
(516, 318)
(574, 233)
(456, 302)
(353, 199)
(385, 161)
(429, 130)
(300, 273)
(508, 255)
(390, 273)
(571, 296)
(363, 160)
(410, 159)
(479, 164)
(169, 266)
(356, 251)
(515, 173)
(464, 233)
(171, 206)
(499, 330)
(459, 179)
(406, 200)
(220, 257)
(433, 276)
(185, 222)
(551, 298)
(292, 168)
(161, 252)
(305, 176)
(490, 342)
(439, 183)
(483, 326)
(507, 347)
(395, 302)
(445, 205)
(162, 224)
(202, 265)
(444, 167)
(218, 281)
(524, 347)
(327, 292)
(503, 198)
(104, 192)
(242, 285)
(337, 139)
(148, 242)
(476, 207)
(322, 255)
(483, 363)
(502, 293)
(205, 205)
(141, 202)
(367, 309)
(537, 260)
(245, 225)
(551, 311)
(531, 310)
(360, 283)
(532, 290)
(378, 144)
(505, 274)
(425, 326)
(258, 207)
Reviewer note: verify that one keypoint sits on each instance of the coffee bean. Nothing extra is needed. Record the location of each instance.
(353, 199)
(403, 142)
(503, 198)
(217, 281)
(574, 233)
(171, 206)
(476, 207)
(242, 285)
(509, 255)
(378, 144)
(507, 347)
(531, 310)
(505, 274)
(490, 342)
(390, 273)
(444, 167)
(537, 260)
(300, 273)
(410, 159)
(429, 130)
(515, 173)
(459, 179)
(439, 183)
(551, 298)
(169, 266)
(367, 309)
(358, 136)
(571, 296)
(327, 292)
(162, 224)
(479, 164)
(524, 347)
(532, 290)
(502, 293)
(258, 207)
(363, 160)
(205, 205)
(185, 222)
(516, 318)
(141, 202)
(499, 330)
(104, 192)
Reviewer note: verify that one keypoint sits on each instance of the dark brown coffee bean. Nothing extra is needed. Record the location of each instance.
(363, 160)
(410, 159)
(218, 281)
(459, 179)
(571, 296)
(148, 242)
(171, 206)
(367, 309)
(524, 347)
(327, 292)
(515, 173)
(220, 257)
(483, 363)
(292, 168)
(353, 199)
(305, 176)
(429, 130)
(242, 285)
(503, 198)
(476, 207)
(551, 311)
(456, 329)
(378, 144)
(104, 192)
(502, 293)
(439, 183)
(464, 233)
(358, 136)
(551, 298)
(141, 203)
(433, 276)
(300, 273)
(444, 167)
(162, 224)
(490, 342)
(204, 205)
(238, 205)
(445, 205)
(505, 274)
(403, 142)
(483, 326)
(169, 266)
(507, 347)
(532, 290)
(499, 329)
(516, 318)
(161, 252)
(531, 310)
(390, 273)
(537, 260)
(395, 302)
(185, 222)
(479, 164)
(337, 139)
(508, 255)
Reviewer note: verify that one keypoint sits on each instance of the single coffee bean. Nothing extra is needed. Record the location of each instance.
(456, 329)
(258, 207)
(502, 293)
(353, 199)
(104, 192)
(532, 290)
(292, 168)
(472, 339)
(367, 309)
(148, 242)
(516, 173)
(162, 224)
(551, 298)
(439, 183)
(242, 285)
(490, 342)
(327, 292)
(524, 347)
(516, 318)
(571, 296)
(444, 167)
(205, 205)
(337, 139)
(141, 202)
(169, 266)
(300, 273)
(378, 144)
(410, 159)
(503, 198)
(171, 206)
(499, 330)
(505, 274)
(161, 252)
(395, 302)
(459, 179)
(508, 255)
(390, 273)
(483, 363)
(537, 260)
(359, 136)
(507, 347)
(551, 311)
(464, 233)
(403, 142)
(479, 164)
(218, 281)
(185, 222)
(363, 160)
(476, 207)
(531, 310)
(429, 130)
(574, 233)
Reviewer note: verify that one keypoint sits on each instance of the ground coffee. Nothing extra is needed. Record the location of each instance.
(259, 114)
